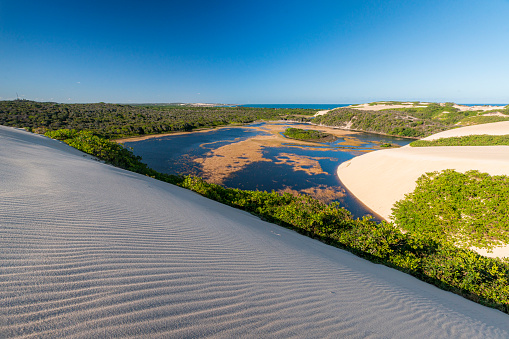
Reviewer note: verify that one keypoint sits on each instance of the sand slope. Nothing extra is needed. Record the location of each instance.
(379, 179)
(88, 250)
(496, 128)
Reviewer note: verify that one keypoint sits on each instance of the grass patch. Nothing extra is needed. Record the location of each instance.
(468, 140)
(483, 119)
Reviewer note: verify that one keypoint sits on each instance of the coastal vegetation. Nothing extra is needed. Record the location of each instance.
(467, 209)
(391, 122)
(468, 140)
(421, 254)
(414, 122)
(117, 121)
(484, 119)
(308, 135)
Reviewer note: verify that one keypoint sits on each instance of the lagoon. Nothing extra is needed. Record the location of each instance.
(258, 157)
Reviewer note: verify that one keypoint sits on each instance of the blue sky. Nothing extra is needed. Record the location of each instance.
(255, 51)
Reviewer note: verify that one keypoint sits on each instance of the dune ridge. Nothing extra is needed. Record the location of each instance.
(90, 250)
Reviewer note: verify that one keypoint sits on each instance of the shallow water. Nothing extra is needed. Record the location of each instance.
(286, 166)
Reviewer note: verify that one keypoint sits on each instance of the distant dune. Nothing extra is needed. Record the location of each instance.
(92, 251)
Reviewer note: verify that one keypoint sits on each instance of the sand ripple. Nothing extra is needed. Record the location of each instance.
(88, 251)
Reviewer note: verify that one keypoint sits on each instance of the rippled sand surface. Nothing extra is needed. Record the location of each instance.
(88, 251)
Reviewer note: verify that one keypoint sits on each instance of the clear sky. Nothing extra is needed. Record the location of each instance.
(263, 51)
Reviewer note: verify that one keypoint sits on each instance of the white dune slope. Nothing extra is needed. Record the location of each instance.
(88, 250)
(380, 179)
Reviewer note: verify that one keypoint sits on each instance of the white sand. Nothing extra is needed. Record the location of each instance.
(478, 108)
(379, 179)
(89, 251)
(381, 106)
(322, 112)
(497, 128)
(378, 107)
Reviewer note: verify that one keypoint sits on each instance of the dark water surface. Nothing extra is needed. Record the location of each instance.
(176, 154)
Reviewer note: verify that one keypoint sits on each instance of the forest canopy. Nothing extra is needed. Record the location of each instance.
(116, 121)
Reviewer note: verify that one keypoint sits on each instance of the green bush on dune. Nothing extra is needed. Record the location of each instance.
(469, 140)
(432, 259)
(469, 209)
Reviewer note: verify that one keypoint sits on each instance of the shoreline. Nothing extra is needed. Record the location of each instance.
(207, 129)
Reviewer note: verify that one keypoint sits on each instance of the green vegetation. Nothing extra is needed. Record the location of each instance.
(116, 121)
(483, 119)
(391, 122)
(484, 280)
(468, 140)
(414, 122)
(308, 135)
(468, 209)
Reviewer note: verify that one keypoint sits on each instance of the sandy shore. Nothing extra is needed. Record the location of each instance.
(381, 178)
(89, 251)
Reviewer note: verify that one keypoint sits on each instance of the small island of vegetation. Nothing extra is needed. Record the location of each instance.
(308, 135)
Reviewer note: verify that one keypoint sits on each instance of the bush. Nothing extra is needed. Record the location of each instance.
(468, 209)
(469, 140)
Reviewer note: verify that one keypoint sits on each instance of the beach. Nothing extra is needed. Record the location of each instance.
(380, 179)
(90, 250)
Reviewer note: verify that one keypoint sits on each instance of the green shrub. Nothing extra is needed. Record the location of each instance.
(308, 135)
(468, 209)
(469, 140)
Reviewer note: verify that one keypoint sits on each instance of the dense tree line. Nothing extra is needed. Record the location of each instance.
(115, 120)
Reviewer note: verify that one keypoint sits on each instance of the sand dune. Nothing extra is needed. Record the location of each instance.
(497, 128)
(379, 179)
(90, 251)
